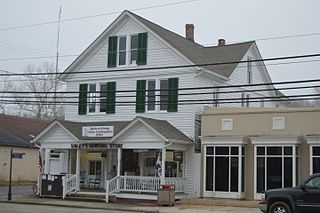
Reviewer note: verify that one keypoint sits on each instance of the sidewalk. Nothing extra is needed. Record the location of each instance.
(187, 206)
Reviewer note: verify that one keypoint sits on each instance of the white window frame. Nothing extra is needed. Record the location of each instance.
(129, 49)
(228, 194)
(126, 51)
(91, 99)
(294, 156)
(311, 157)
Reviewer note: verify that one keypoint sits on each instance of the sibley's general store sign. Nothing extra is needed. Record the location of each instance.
(97, 131)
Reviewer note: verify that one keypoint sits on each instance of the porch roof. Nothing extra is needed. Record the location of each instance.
(76, 127)
(162, 127)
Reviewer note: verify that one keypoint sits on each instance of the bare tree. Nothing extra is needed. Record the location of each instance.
(5, 85)
(40, 103)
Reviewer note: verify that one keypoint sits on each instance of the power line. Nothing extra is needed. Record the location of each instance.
(181, 102)
(93, 16)
(180, 89)
(174, 67)
(158, 95)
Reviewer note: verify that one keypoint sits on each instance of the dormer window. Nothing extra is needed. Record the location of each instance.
(122, 50)
(127, 50)
(134, 49)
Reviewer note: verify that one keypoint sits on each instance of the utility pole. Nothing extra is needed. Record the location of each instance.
(57, 66)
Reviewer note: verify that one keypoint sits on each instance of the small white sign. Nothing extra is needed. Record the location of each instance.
(97, 131)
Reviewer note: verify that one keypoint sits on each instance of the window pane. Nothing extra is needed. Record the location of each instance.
(261, 150)
(98, 167)
(316, 151)
(260, 174)
(234, 174)
(92, 169)
(103, 97)
(222, 150)
(122, 43)
(134, 42)
(209, 173)
(243, 150)
(163, 94)
(288, 173)
(209, 150)
(316, 165)
(274, 172)
(122, 58)
(234, 151)
(274, 150)
(151, 95)
(134, 55)
(92, 98)
(222, 176)
(288, 150)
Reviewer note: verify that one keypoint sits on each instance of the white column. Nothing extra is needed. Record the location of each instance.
(294, 172)
(46, 161)
(119, 161)
(240, 171)
(78, 169)
(163, 166)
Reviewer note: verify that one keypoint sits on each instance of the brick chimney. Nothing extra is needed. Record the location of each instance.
(190, 32)
(221, 42)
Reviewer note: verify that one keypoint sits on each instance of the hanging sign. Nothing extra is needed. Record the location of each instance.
(17, 155)
(97, 131)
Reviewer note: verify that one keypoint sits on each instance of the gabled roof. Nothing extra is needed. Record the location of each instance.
(199, 54)
(76, 127)
(164, 128)
(193, 51)
(21, 130)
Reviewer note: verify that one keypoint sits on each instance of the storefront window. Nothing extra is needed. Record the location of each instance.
(223, 168)
(316, 159)
(275, 167)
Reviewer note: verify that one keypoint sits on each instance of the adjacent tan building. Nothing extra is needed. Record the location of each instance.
(16, 133)
(246, 151)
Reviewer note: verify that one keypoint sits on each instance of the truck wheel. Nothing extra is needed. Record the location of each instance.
(279, 207)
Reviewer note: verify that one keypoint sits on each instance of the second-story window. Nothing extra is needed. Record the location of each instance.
(92, 98)
(134, 49)
(163, 91)
(97, 97)
(151, 95)
(164, 94)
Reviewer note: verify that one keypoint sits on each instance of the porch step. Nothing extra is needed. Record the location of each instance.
(87, 196)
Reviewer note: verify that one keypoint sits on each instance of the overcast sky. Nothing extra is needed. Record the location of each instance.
(233, 20)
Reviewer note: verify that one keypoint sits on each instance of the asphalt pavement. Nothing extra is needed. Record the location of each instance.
(23, 196)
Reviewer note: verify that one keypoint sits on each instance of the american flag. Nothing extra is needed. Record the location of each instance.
(40, 163)
(158, 166)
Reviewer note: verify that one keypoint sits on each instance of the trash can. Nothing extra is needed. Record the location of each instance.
(166, 195)
(51, 185)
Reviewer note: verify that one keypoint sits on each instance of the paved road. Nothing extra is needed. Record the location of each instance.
(23, 208)
(16, 190)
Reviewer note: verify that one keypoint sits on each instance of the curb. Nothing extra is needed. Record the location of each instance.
(79, 206)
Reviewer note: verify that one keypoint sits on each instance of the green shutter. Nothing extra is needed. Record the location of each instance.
(141, 96)
(82, 108)
(142, 48)
(173, 95)
(112, 51)
(111, 98)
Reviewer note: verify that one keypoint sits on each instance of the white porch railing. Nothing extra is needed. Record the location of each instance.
(140, 184)
(69, 185)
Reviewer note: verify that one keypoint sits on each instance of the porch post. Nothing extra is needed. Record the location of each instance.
(118, 169)
(163, 165)
(119, 161)
(46, 161)
(78, 170)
